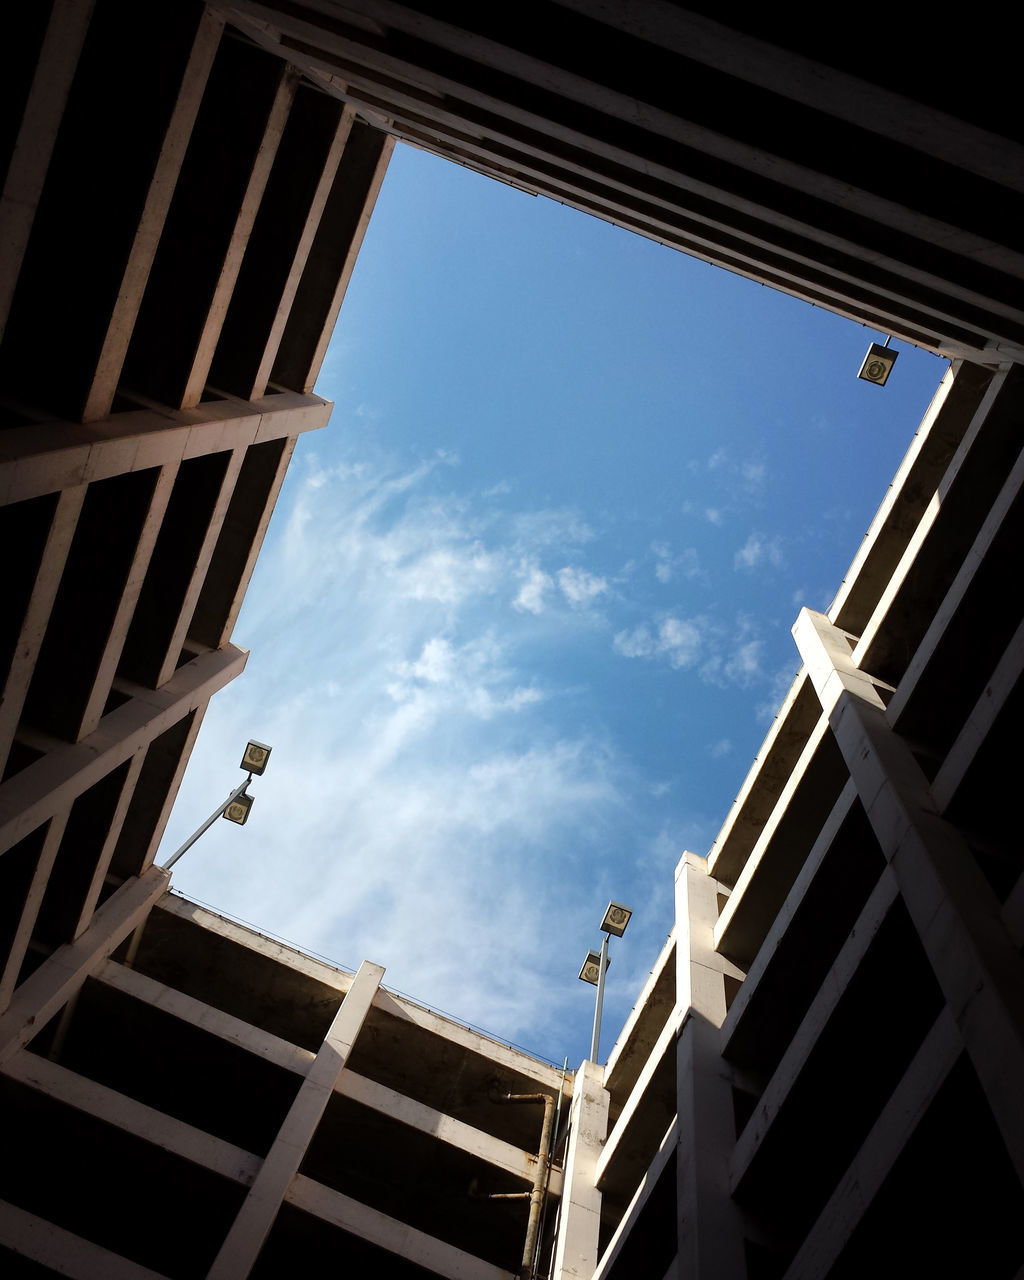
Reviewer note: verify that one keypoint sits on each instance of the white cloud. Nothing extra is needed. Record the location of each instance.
(713, 515)
(758, 550)
(668, 565)
(580, 588)
(531, 594)
(720, 748)
(675, 639)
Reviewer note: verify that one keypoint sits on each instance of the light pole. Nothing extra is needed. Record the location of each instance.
(616, 917)
(236, 807)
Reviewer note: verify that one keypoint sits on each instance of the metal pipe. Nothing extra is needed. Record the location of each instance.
(595, 1042)
(540, 1178)
(207, 824)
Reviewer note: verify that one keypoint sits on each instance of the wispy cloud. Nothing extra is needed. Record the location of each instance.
(759, 550)
(678, 640)
(580, 588)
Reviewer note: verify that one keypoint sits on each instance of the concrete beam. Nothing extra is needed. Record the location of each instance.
(748, 992)
(619, 1134)
(844, 968)
(747, 916)
(30, 159)
(59, 977)
(637, 1036)
(263, 1044)
(30, 907)
(249, 207)
(958, 589)
(50, 784)
(177, 638)
(666, 1152)
(92, 894)
(130, 1116)
(52, 456)
(474, 1142)
(579, 1221)
(547, 1077)
(114, 644)
(37, 614)
(62, 1251)
(388, 1233)
(955, 912)
(154, 213)
(895, 1126)
(923, 526)
(980, 721)
(316, 209)
(256, 1216)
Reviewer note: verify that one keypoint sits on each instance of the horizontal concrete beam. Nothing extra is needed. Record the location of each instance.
(46, 457)
(270, 1048)
(136, 1118)
(619, 1134)
(396, 1237)
(51, 783)
(62, 1251)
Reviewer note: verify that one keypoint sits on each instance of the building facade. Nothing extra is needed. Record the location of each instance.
(830, 1050)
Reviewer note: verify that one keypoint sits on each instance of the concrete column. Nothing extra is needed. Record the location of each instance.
(255, 1218)
(951, 904)
(579, 1219)
(709, 1225)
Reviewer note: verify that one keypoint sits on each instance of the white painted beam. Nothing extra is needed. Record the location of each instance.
(957, 917)
(51, 783)
(152, 218)
(136, 1118)
(666, 1152)
(33, 900)
(390, 1234)
(256, 1216)
(895, 1126)
(619, 1134)
(748, 991)
(62, 1251)
(47, 457)
(33, 147)
(834, 985)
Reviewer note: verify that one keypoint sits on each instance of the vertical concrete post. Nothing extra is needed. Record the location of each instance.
(951, 904)
(255, 1218)
(579, 1219)
(709, 1225)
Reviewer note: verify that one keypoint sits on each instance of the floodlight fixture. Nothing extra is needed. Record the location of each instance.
(238, 810)
(256, 756)
(616, 918)
(878, 363)
(236, 807)
(591, 971)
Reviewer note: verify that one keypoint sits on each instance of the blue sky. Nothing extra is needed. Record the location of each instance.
(522, 618)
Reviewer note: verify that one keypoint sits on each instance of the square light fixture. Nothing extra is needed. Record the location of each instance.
(877, 364)
(591, 971)
(256, 756)
(616, 918)
(238, 809)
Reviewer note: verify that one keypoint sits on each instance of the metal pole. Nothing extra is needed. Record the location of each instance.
(207, 824)
(596, 1038)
